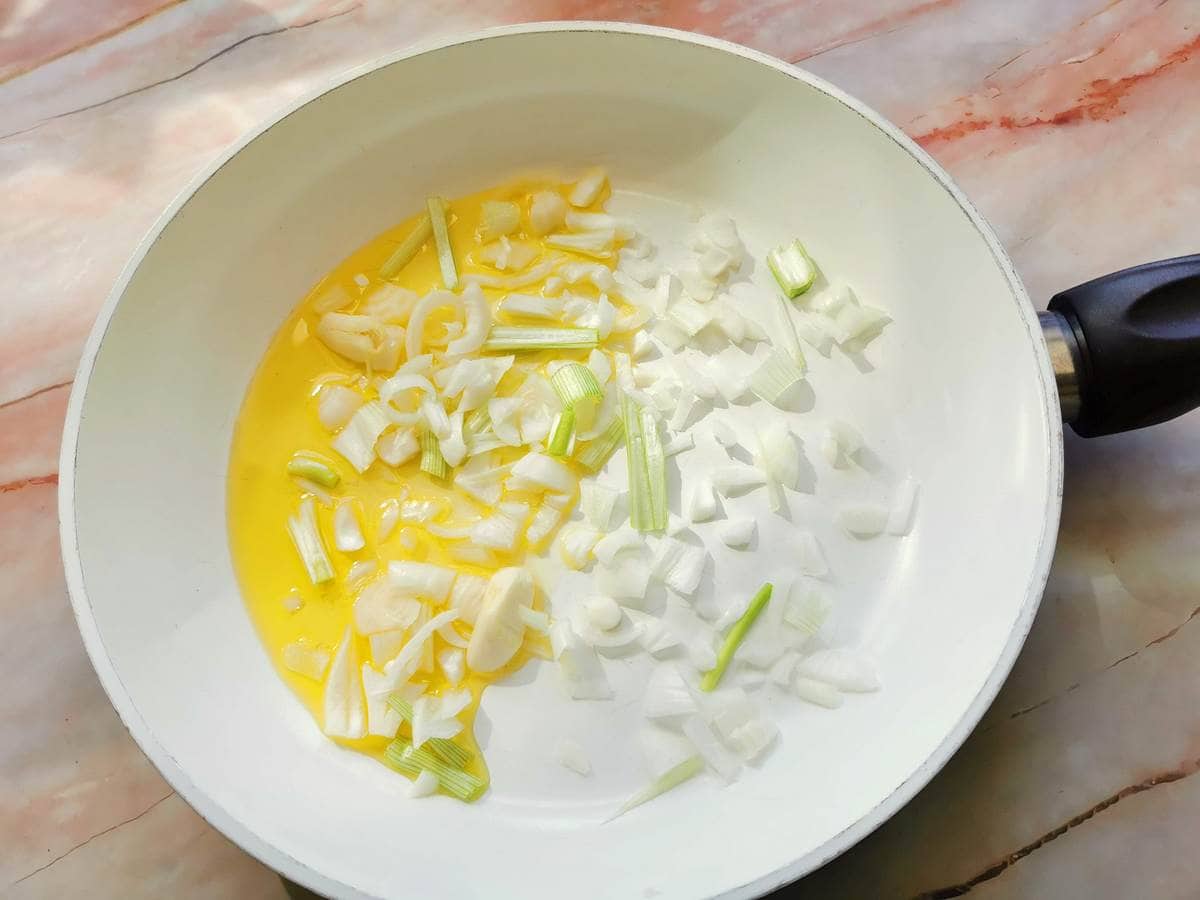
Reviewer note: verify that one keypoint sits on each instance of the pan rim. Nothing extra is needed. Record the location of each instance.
(295, 869)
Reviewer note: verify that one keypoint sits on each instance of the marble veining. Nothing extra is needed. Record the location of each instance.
(1073, 125)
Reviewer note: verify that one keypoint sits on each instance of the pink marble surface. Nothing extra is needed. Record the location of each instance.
(1075, 126)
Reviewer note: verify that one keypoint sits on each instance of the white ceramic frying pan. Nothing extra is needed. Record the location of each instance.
(964, 397)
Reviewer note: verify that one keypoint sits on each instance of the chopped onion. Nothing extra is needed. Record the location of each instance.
(538, 472)
(696, 284)
(547, 211)
(900, 516)
(720, 760)
(532, 275)
(679, 443)
(598, 502)
(416, 322)
(611, 545)
(498, 218)
(862, 520)
(531, 307)
(424, 785)
(807, 609)
(723, 433)
(398, 446)
(667, 694)
(840, 443)
(627, 578)
(479, 321)
(587, 189)
(782, 669)
(856, 326)
(336, 404)
(575, 543)
(306, 660)
(344, 710)
(810, 559)
(581, 670)
(544, 522)
(598, 244)
(844, 669)
(817, 692)
(389, 515)
(737, 533)
(702, 501)
(689, 315)
(678, 565)
(777, 374)
(572, 756)
(437, 717)
(381, 607)
(735, 478)
(347, 533)
(425, 580)
(357, 440)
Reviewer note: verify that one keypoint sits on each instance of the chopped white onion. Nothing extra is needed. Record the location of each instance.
(347, 533)
(844, 669)
(817, 692)
(862, 520)
(575, 543)
(357, 440)
(737, 533)
(602, 612)
(572, 756)
(539, 472)
(709, 746)
(453, 664)
(702, 500)
(336, 404)
(466, 596)
(735, 478)
(398, 446)
(598, 502)
(587, 189)
(381, 607)
(667, 694)
(305, 659)
(678, 565)
(344, 710)
(419, 579)
(424, 785)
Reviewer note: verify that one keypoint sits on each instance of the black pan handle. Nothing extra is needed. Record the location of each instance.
(1126, 347)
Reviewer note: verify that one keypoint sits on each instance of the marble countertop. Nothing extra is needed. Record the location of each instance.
(1073, 124)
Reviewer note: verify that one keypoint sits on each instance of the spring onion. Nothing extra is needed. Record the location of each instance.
(736, 635)
(307, 538)
(438, 210)
(792, 267)
(408, 248)
(432, 461)
(671, 779)
(562, 434)
(579, 391)
(777, 374)
(410, 761)
(313, 469)
(647, 469)
(520, 337)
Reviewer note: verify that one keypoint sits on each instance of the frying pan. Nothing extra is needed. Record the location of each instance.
(964, 394)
